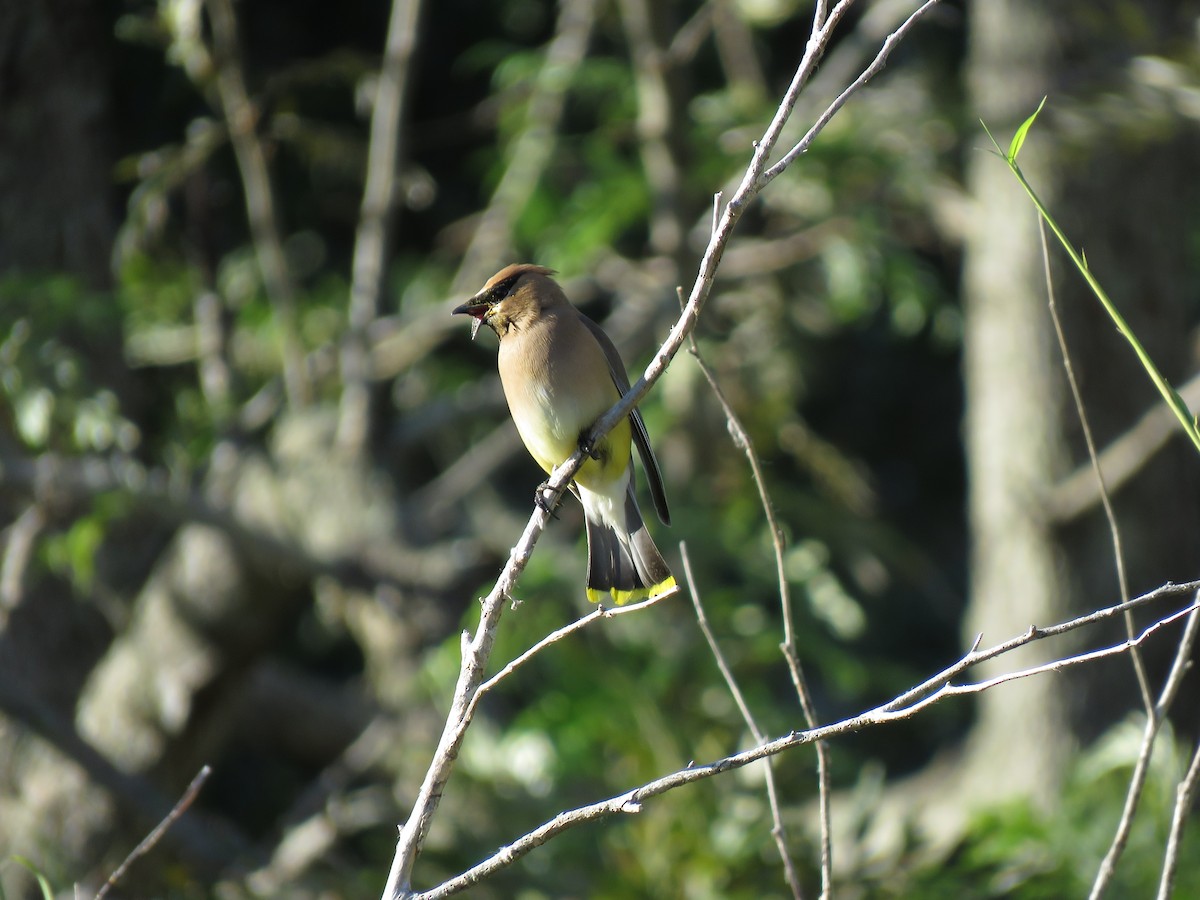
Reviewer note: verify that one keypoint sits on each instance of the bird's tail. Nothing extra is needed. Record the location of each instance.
(623, 562)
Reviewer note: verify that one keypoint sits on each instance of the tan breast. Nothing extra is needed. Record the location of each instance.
(557, 383)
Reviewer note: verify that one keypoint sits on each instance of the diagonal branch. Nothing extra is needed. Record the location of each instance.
(477, 650)
(600, 612)
(1185, 796)
(151, 840)
(777, 832)
(876, 66)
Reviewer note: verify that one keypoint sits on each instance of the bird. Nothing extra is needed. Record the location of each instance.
(560, 373)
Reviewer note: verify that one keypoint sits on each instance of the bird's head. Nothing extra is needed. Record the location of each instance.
(510, 297)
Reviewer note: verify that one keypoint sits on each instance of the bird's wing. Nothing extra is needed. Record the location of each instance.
(641, 437)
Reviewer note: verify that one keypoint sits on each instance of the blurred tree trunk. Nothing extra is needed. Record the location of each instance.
(1014, 448)
(55, 150)
(1013, 381)
(1130, 211)
(56, 215)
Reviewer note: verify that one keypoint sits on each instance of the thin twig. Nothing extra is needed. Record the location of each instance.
(1059, 665)
(902, 707)
(741, 438)
(261, 208)
(148, 843)
(1036, 633)
(755, 179)
(1154, 720)
(1137, 781)
(876, 66)
(778, 832)
(600, 612)
(1139, 667)
(475, 654)
(1185, 796)
(375, 222)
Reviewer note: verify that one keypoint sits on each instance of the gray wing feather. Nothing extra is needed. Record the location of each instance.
(641, 437)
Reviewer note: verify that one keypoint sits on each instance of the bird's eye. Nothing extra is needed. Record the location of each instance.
(505, 288)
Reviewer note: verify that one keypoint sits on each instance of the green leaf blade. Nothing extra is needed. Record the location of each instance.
(1019, 138)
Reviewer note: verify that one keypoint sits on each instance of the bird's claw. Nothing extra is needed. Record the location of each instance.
(540, 501)
(588, 448)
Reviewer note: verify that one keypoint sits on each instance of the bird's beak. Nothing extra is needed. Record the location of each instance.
(478, 309)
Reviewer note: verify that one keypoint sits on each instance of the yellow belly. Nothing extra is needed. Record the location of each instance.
(550, 439)
(571, 390)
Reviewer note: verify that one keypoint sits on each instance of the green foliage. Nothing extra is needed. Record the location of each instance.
(834, 345)
(51, 374)
(603, 212)
(72, 552)
(1014, 851)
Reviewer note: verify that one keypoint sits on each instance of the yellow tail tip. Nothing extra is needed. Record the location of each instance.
(621, 598)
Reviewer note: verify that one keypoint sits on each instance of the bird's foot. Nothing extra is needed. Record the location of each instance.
(540, 501)
(589, 449)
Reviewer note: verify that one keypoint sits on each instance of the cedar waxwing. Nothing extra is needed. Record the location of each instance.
(560, 373)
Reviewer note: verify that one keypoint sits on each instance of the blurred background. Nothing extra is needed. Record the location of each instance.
(253, 475)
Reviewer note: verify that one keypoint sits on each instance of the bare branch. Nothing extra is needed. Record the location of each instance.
(1185, 796)
(1036, 633)
(1155, 717)
(778, 832)
(375, 221)
(756, 177)
(741, 438)
(1057, 665)
(152, 839)
(242, 118)
(868, 73)
(902, 707)
(600, 612)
